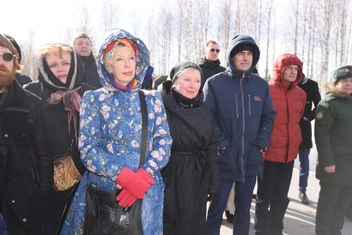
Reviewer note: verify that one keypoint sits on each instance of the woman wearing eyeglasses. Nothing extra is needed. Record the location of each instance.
(210, 64)
(333, 128)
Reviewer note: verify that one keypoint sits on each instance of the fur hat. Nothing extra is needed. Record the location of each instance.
(242, 47)
(342, 73)
(6, 42)
(176, 71)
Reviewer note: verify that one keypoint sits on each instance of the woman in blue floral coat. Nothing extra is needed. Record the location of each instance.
(110, 135)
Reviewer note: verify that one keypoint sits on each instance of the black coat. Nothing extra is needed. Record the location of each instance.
(57, 120)
(313, 97)
(22, 79)
(91, 76)
(209, 68)
(26, 173)
(192, 172)
(63, 134)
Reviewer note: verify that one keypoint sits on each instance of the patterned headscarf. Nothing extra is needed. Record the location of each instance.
(110, 49)
(71, 100)
(114, 37)
(108, 57)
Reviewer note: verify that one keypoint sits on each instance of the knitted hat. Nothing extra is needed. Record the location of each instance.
(176, 71)
(6, 42)
(242, 47)
(14, 43)
(342, 73)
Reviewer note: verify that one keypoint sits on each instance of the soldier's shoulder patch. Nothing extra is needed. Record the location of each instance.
(319, 115)
(327, 99)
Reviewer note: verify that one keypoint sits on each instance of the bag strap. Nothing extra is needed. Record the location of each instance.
(144, 127)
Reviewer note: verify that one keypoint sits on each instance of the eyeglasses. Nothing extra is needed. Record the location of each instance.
(212, 50)
(6, 56)
(296, 69)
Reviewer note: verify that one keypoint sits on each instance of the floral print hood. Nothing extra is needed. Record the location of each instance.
(142, 59)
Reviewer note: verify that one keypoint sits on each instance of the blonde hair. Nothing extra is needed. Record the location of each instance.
(211, 42)
(55, 49)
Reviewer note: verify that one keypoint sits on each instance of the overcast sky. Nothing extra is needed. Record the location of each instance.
(49, 19)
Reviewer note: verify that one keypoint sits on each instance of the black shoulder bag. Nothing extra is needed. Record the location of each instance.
(103, 215)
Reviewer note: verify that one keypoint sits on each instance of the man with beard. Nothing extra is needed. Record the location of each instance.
(26, 166)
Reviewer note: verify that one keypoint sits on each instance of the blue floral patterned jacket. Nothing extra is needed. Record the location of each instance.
(110, 139)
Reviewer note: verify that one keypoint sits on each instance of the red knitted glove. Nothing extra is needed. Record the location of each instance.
(133, 183)
(125, 177)
(145, 175)
(125, 198)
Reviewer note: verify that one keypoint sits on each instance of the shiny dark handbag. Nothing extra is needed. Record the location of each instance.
(103, 215)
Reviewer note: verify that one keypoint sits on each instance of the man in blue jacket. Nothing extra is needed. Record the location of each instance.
(243, 116)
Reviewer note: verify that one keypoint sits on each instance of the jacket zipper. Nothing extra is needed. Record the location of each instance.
(237, 115)
(243, 129)
(249, 105)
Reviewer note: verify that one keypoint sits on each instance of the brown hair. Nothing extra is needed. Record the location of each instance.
(82, 35)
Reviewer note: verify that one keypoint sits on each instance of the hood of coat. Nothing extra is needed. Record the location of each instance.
(142, 59)
(75, 76)
(235, 42)
(280, 65)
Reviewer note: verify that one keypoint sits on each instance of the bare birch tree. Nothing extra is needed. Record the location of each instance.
(201, 27)
(269, 10)
(325, 37)
(29, 59)
(296, 28)
(108, 15)
(224, 29)
(179, 25)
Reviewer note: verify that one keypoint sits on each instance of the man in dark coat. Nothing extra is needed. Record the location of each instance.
(210, 64)
(26, 166)
(83, 47)
(243, 116)
(311, 89)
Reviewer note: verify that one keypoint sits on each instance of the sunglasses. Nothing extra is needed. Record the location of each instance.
(6, 56)
(212, 50)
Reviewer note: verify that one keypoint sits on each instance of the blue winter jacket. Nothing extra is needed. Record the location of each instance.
(110, 139)
(243, 116)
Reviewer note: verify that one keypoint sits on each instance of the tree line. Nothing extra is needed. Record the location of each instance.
(318, 32)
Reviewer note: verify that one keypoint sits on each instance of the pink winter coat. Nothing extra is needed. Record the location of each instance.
(289, 102)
